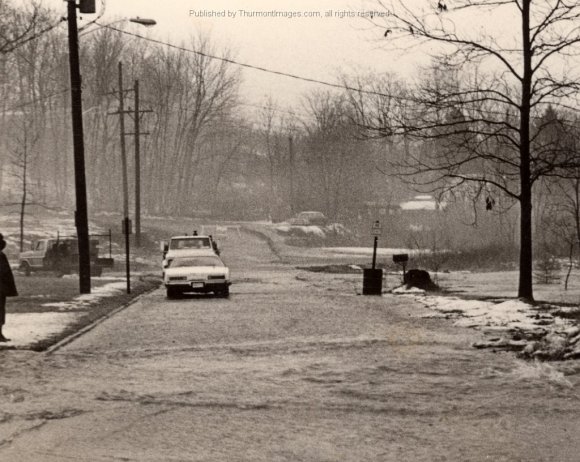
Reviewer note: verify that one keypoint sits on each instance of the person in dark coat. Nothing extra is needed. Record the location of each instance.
(7, 286)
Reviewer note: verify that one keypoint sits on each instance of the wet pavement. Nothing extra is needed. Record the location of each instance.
(293, 366)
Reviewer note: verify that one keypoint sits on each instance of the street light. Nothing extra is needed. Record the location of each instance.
(147, 22)
(81, 212)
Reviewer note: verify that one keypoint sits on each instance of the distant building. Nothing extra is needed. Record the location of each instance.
(377, 209)
(418, 214)
(423, 202)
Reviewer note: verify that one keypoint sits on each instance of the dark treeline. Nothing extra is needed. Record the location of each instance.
(204, 151)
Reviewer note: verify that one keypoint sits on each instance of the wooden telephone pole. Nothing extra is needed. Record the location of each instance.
(138, 133)
(126, 225)
(81, 212)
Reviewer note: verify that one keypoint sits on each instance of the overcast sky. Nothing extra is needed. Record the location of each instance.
(314, 47)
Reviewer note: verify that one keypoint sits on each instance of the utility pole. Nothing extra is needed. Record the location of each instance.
(81, 212)
(137, 169)
(136, 112)
(126, 225)
(123, 150)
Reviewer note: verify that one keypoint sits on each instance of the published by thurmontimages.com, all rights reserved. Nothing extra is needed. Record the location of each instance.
(255, 14)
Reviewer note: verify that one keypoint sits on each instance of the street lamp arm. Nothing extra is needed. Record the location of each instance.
(147, 22)
(94, 21)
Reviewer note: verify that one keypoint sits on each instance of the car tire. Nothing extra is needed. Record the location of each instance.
(25, 267)
(225, 292)
(172, 292)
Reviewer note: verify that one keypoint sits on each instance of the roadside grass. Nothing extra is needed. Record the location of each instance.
(65, 291)
(62, 293)
(39, 289)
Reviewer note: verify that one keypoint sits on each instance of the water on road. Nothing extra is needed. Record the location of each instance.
(294, 366)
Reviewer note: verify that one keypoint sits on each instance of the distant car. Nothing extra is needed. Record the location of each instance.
(203, 272)
(309, 218)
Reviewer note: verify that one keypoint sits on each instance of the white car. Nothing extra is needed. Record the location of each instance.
(203, 272)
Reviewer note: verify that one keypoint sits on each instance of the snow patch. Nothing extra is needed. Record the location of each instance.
(521, 322)
(368, 251)
(26, 329)
(408, 290)
(510, 314)
(84, 300)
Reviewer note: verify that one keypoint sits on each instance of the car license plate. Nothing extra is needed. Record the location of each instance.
(196, 285)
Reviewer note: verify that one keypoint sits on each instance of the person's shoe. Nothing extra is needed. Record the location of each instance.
(4, 339)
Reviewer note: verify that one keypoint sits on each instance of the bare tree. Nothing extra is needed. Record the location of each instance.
(329, 143)
(19, 25)
(483, 122)
(274, 150)
(564, 216)
(22, 156)
(188, 92)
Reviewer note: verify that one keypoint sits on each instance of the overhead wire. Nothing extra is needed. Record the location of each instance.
(284, 74)
(252, 67)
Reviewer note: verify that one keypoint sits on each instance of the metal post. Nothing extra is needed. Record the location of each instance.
(127, 231)
(375, 252)
(291, 159)
(137, 169)
(81, 212)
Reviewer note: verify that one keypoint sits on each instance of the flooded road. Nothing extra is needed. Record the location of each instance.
(293, 366)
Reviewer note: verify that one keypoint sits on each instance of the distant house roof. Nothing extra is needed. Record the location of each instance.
(421, 202)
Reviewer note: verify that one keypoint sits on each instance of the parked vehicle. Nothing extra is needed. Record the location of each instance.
(182, 246)
(204, 272)
(62, 256)
(309, 218)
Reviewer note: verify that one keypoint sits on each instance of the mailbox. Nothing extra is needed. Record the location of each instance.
(401, 258)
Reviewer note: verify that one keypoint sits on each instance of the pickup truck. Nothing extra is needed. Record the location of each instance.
(184, 246)
(61, 255)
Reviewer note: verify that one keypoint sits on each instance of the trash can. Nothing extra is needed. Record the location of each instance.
(372, 281)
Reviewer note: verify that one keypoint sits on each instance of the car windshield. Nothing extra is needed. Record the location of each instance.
(191, 243)
(196, 261)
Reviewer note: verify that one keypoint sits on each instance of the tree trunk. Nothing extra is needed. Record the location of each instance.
(23, 199)
(525, 289)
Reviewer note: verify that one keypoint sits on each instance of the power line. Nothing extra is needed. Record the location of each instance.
(280, 73)
(270, 71)
(254, 67)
